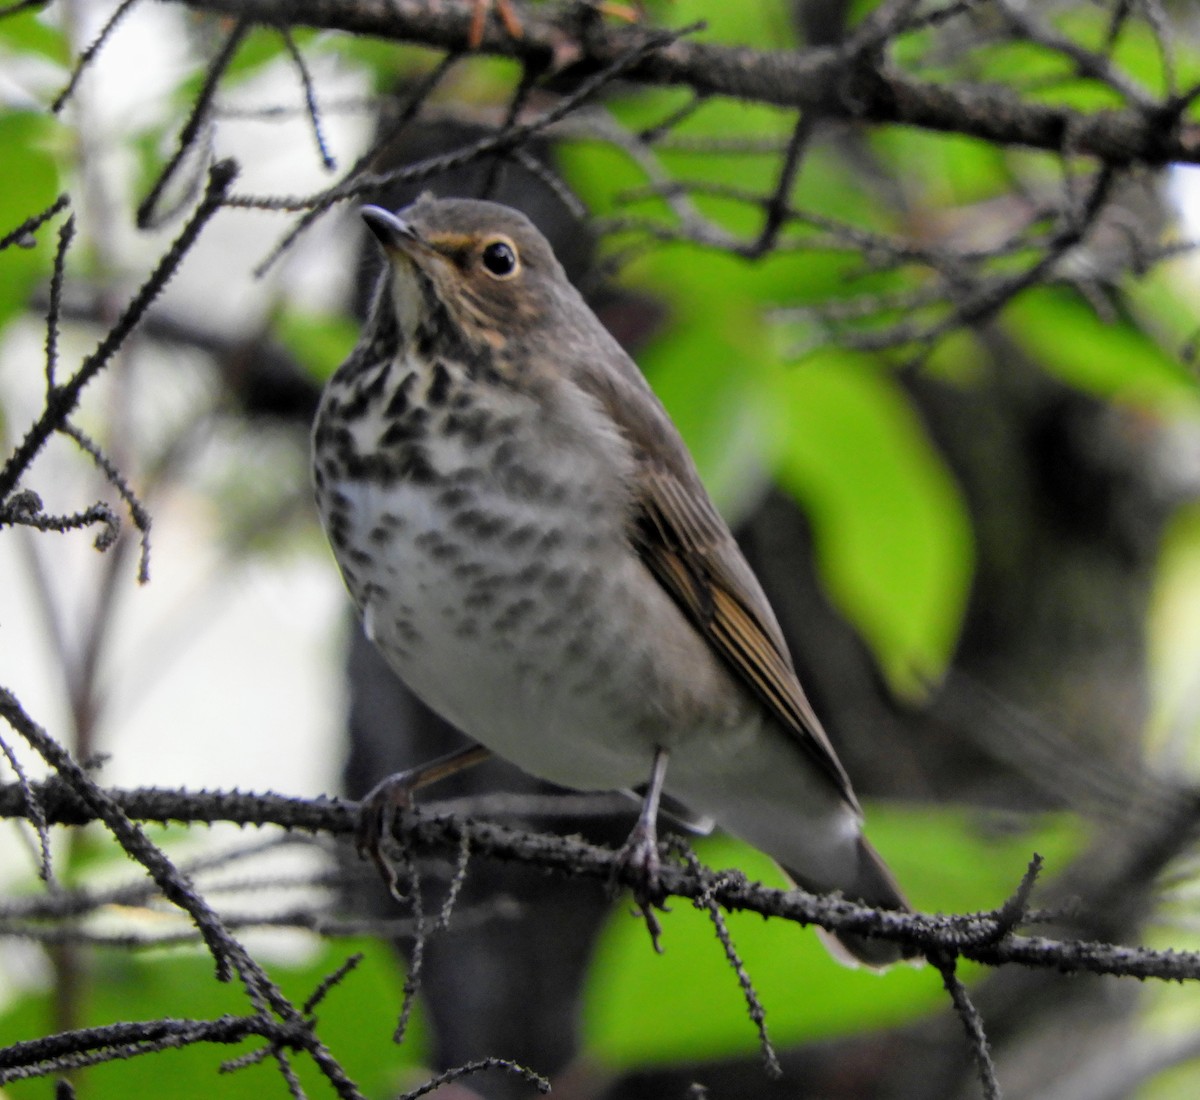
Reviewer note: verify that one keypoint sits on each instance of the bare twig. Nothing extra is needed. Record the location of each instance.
(22, 236)
(458, 1072)
(972, 1023)
(89, 54)
(62, 400)
(229, 955)
(148, 215)
(310, 97)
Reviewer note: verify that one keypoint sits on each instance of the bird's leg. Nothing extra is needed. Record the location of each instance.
(640, 852)
(381, 804)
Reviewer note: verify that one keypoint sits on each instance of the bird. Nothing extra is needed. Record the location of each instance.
(530, 546)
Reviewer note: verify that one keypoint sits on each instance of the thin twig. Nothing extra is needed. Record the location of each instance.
(89, 54)
(53, 312)
(22, 236)
(137, 510)
(310, 97)
(971, 1021)
(758, 1015)
(62, 401)
(229, 954)
(147, 213)
(383, 142)
(467, 1069)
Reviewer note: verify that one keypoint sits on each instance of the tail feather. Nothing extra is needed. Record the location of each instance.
(875, 886)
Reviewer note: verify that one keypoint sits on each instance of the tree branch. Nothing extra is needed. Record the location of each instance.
(836, 83)
(985, 937)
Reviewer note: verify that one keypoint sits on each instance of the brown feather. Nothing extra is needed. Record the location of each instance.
(693, 555)
(691, 552)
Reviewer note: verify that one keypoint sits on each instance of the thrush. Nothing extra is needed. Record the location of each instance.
(530, 547)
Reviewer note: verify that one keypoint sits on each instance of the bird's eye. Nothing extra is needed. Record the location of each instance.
(500, 259)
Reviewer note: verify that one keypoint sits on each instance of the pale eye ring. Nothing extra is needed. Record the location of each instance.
(500, 259)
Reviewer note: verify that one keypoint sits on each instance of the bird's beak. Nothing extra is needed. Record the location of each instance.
(392, 232)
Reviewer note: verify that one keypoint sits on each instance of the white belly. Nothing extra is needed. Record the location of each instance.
(532, 644)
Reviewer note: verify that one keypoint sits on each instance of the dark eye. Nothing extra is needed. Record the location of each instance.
(500, 258)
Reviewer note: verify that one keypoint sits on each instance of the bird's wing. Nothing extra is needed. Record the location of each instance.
(690, 550)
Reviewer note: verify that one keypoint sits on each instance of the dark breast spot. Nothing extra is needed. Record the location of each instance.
(522, 482)
(398, 403)
(479, 524)
(416, 467)
(439, 385)
(556, 581)
(521, 536)
(402, 431)
(532, 572)
(454, 497)
(481, 597)
(366, 394)
(474, 425)
(437, 546)
(514, 613)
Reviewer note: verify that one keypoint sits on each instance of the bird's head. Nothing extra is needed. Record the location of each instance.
(478, 269)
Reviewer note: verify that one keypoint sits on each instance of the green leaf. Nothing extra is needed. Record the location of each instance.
(892, 532)
(28, 32)
(712, 369)
(30, 186)
(179, 983)
(260, 47)
(319, 341)
(1111, 360)
(946, 170)
(766, 24)
(958, 860)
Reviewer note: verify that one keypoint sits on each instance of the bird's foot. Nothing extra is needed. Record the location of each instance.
(389, 798)
(378, 813)
(639, 866)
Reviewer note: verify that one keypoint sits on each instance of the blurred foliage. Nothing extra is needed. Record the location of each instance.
(1175, 639)
(1112, 360)
(31, 182)
(892, 534)
(319, 341)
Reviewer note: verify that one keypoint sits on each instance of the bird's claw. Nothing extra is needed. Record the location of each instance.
(640, 866)
(378, 812)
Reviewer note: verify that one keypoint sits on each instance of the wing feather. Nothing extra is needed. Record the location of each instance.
(691, 552)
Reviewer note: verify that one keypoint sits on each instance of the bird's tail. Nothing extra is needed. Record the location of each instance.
(874, 886)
